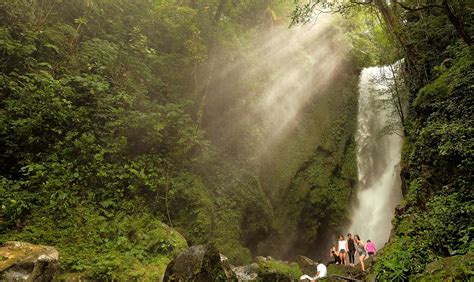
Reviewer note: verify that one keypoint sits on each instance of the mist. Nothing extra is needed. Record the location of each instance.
(295, 66)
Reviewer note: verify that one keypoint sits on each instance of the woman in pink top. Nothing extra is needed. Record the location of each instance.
(370, 247)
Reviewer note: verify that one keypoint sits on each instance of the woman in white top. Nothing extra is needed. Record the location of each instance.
(342, 247)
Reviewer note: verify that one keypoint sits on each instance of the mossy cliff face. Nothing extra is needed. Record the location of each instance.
(311, 176)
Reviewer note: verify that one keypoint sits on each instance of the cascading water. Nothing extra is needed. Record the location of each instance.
(378, 157)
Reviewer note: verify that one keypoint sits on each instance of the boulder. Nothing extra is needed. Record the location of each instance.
(27, 262)
(246, 272)
(260, 259)
(307, 265)
(199, 263)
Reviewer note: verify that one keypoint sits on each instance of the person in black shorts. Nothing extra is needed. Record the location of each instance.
(335, 255)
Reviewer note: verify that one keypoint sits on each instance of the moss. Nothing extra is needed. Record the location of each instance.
(97, 247)
(279, 269)
(234, 251)
(334, 269)
(70, 277)
(313, 173)
(146, 272)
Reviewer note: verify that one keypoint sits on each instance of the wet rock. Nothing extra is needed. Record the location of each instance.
(246, 272)
(199, 263)
(27, 262)
(260, 259)
(307, 265)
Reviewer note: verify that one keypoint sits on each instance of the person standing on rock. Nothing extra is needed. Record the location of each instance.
(352, 249)
(360, 251)
(342, 247)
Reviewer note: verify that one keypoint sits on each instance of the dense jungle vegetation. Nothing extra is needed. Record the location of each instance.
(126, 133)
(114, 119)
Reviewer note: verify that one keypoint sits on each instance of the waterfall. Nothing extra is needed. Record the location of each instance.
(378, 157)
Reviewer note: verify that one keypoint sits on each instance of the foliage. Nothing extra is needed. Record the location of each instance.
(370, 43)
(104, 246)
(99, 142)
(401, 257)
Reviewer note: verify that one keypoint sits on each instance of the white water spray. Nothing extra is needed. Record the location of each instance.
(378, 157)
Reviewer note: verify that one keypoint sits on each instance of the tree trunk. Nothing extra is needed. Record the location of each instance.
(458, 25)
(393, 26)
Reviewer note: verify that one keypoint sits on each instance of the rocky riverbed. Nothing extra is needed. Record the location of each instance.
(21, 261)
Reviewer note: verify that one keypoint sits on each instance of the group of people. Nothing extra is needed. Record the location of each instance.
(348, 248)
(343, 249)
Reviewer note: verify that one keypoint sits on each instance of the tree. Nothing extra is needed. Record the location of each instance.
(446, 8)
(306, 12)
